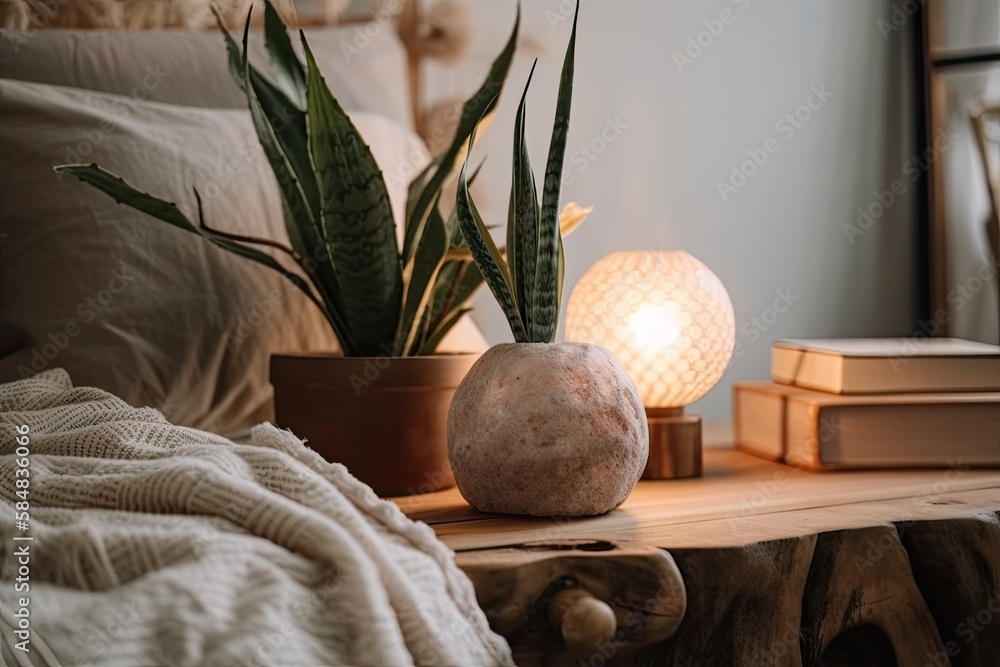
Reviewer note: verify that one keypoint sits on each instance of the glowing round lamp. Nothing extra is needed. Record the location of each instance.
(670, 322)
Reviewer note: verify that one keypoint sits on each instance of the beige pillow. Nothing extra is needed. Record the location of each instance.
(125, 303)
(365, 66)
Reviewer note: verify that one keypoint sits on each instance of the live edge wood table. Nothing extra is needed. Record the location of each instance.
(755, 563)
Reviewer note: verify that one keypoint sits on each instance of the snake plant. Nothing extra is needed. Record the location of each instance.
(528, 285)
(343, 253)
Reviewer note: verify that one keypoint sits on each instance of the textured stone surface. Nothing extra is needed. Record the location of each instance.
(547, 429)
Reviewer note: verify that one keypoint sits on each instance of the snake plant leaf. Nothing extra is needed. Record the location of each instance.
(418, 184)
(444, 286)
(280, 127)
(572, 215)
(288, 71)
(281, 130)
(486, 254)
(422, 328)
(237, 59)
(458, 248)
(419, 277)
(475, 109)
(468, 284)
(522, 217)
(286, 148)
(356, 218)
(456, 283)
(435, 337)
(545, 307)
(122, 192)
(336, 208)
(560, 276)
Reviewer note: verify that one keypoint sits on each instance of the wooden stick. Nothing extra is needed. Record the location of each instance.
(409, 19)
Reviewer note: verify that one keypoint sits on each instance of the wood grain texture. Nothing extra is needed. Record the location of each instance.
(956, 564)
(860, 586)
(779, 567)
(517, 586)
(749, 499)
(743, 606)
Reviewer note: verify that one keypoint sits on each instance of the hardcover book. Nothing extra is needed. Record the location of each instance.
(819, 431)
(886, 365)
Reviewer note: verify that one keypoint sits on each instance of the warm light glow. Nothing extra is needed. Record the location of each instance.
(666, 317)
(654, 328)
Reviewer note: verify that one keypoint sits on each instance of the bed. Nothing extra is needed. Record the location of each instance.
(154, 516)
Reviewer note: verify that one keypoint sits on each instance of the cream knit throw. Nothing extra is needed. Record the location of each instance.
(161, 545)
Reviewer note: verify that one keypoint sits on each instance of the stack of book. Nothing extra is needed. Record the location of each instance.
(874, 403)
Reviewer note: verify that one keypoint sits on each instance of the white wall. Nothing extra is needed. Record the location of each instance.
(655, 185)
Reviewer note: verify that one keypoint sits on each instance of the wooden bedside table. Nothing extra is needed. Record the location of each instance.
(756, 563)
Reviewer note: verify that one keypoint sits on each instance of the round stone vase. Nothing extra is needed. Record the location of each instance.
(384, 418)
(547, 429)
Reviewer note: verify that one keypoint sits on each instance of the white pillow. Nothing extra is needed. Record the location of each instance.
(126, 303)
(365, 70)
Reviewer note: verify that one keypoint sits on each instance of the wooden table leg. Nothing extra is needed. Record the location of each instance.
(744, 606)
(861, 605)
(956, 564)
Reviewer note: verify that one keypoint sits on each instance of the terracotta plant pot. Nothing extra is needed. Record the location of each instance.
(547, 429)
(385, 418)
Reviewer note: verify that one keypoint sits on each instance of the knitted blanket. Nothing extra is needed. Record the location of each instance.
(153, 544)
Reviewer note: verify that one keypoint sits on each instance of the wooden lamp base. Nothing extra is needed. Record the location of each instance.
(674, 444)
